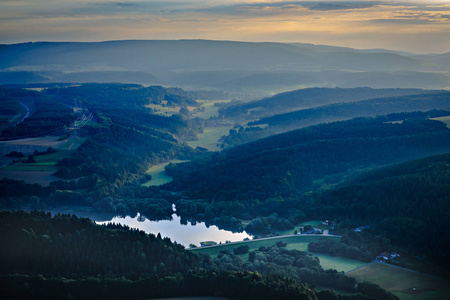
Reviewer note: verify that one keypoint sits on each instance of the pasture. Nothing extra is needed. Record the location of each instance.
(45, 162)
(405, 284)
(28, 145)
(295, 242)
(209, 138)
(44, 166)
(446, 120)
(210, 109)
(158, 173)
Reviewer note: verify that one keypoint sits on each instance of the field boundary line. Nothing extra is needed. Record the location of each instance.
(391, 265)
(266, 238)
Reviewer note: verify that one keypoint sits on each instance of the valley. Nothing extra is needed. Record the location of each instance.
(211, 182)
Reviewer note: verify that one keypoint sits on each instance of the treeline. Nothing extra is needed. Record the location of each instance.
(124, 95)
(9, 105)
(234, 285)
(257, 178)
(430, 105)
(308, 98)
(365, 108)
(300, 266)
(67, 246)
(355, 245)
(152, 202)
(63, 256)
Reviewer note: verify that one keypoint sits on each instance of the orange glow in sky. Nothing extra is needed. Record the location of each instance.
(415, 26)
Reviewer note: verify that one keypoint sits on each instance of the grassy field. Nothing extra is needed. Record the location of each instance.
(340, 264)
(446, 120)
(28, 145)
(40, 171)
(159, 176)
(209, 138)
(402, 282)
(210, 109)
(71, 143)
(43, 162)
(163, 110)
(293, 243)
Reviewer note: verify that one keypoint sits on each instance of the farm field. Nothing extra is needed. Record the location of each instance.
(446, 120)
(210, 109)
(293, 243)
(40, 171)
(45, 162)
(40, 177)
(402, 282)
(340, 264)
(158, 173)
(28, 145)
(165, 110)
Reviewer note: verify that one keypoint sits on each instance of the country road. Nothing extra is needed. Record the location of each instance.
(26, 115)
(270, 238)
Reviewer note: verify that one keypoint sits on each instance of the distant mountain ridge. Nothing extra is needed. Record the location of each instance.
(186, 63)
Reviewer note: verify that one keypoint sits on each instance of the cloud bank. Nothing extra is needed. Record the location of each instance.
(398, 25)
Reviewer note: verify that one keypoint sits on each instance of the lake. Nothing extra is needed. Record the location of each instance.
(184, 234)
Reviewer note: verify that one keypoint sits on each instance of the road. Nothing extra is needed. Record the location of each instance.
(270, 238)
(26, 115)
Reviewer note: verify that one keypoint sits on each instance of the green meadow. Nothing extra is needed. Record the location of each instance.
(158, 173)
(210, 109)
(40, 171)
(209, 138)
(45, 162)
(446, 120)
(405, 284)
(295, 242)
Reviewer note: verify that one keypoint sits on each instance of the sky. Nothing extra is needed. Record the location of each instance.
(418, 26)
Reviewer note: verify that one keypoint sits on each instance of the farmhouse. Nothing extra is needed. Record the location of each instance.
(386, 256)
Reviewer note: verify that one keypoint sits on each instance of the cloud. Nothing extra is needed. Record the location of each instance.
(360, 22)
(286, 5)
(339, 5)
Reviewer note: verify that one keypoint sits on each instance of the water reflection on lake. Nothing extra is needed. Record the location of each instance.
(189, 233)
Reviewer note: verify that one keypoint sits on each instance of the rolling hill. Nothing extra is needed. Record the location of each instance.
(227, 64)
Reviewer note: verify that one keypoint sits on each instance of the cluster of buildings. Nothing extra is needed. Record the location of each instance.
(387, 256)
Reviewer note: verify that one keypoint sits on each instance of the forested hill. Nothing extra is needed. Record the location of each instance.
(408, 203)
(240, 67)
(309, 98)
(364, 108)
(279, 123)
(289, 163)
(66, 257)
(126, 137)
